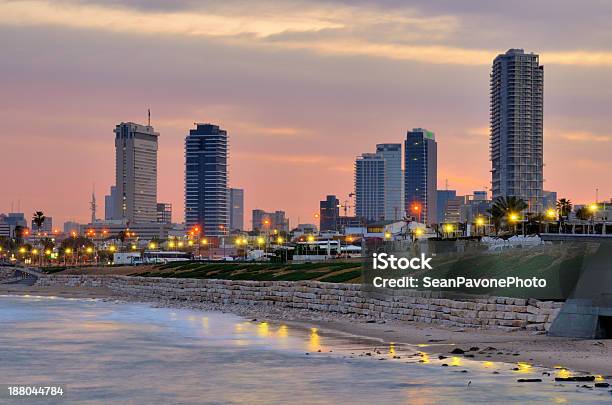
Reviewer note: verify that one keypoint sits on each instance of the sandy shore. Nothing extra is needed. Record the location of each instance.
(592, 356)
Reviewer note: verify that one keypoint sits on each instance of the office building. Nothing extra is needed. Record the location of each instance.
(268, 222)
(480, 195)
(443, 196)
(136, 173)
(329, 211)
(394, 180)
(236, 208)
(420, 175)
(72, 228)
(109, 204)
(370, 187)
(206, 173)
(46, 227)
(164, 213)
(549, 199)
(517, 83)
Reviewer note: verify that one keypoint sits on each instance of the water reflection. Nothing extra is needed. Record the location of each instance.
(131, 353)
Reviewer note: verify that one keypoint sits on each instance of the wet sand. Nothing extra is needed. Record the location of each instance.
(592, 356)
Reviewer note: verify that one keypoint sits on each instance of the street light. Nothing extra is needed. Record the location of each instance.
(311, 238)
(152, 245)
(89, 250)
(513, 217)
(480, 221)
(419, 231)
(112, 248)
(387, 235)
(551, 214)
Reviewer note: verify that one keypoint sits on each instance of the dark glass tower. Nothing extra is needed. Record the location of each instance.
(329, 211)
(206, 153)
(517, 106)
(421, 175)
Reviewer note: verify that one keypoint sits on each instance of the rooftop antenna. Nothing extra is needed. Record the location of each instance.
(149, 119)
(446, 183)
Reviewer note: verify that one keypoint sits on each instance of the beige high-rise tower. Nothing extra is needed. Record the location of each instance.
(136, 173)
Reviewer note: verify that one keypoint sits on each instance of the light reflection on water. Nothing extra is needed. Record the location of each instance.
(131, 353)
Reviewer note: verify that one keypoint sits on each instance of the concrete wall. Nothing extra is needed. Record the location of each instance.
(406, 305)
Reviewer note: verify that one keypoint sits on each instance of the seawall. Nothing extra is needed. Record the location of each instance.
(406, 305)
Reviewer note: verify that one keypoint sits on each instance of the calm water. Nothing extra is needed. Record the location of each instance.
(110, 353)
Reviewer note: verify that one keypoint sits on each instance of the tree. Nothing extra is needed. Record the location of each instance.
(564, 207)
(38, 219)
(503, 207)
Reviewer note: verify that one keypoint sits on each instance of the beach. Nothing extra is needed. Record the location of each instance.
(588, 356)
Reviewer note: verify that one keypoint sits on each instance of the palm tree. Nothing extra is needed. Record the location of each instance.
(503, 207)
(38, 219)
(564, 207)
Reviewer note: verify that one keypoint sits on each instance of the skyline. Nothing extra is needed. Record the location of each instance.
(296, 105)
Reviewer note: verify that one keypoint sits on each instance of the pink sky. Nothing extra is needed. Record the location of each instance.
(301, 88)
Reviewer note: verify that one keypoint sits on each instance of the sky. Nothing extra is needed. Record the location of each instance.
(302, 87)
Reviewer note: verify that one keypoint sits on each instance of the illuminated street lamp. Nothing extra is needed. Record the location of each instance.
(22, 250)
(279, 240)
(311, 238)
(419, 231)
(134, 247)
(388, 235)
(513, 217)
(152, 245)
(260, 241)
(68, 251)
(551, 214)
(89, 250)
(204, 242)
(112, 248)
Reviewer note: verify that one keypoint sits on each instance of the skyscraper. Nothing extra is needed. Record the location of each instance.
(236, 208)
(206, 152)
(421, 175)
(370, 187)
(135, 173)
(329, 211)
(517, 106)
(394, 180)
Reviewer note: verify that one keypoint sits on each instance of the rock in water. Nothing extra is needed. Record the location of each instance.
(457, 350)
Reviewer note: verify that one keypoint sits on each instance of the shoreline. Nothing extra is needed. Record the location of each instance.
(577, 355)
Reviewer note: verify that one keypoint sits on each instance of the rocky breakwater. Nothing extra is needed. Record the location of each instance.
(349, 299)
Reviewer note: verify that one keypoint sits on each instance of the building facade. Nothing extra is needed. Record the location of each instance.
(268, 222)
(420, 175)
(370, 187)
(394, 180)
(517, 107)
(236, 208)
(164, 213)
(329, 211)
(206, 174)
(109, 204)
(46, 227)
(135, 173)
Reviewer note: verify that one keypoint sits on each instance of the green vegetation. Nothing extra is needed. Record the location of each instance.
(334, 272)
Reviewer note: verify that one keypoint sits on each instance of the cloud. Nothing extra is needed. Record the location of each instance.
(585, 136)
(324, 28)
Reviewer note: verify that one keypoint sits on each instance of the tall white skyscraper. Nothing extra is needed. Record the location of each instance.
(135, 173)
(394, 180)
(517, 108)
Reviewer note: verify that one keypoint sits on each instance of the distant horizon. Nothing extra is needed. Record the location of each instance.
(301, 88)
